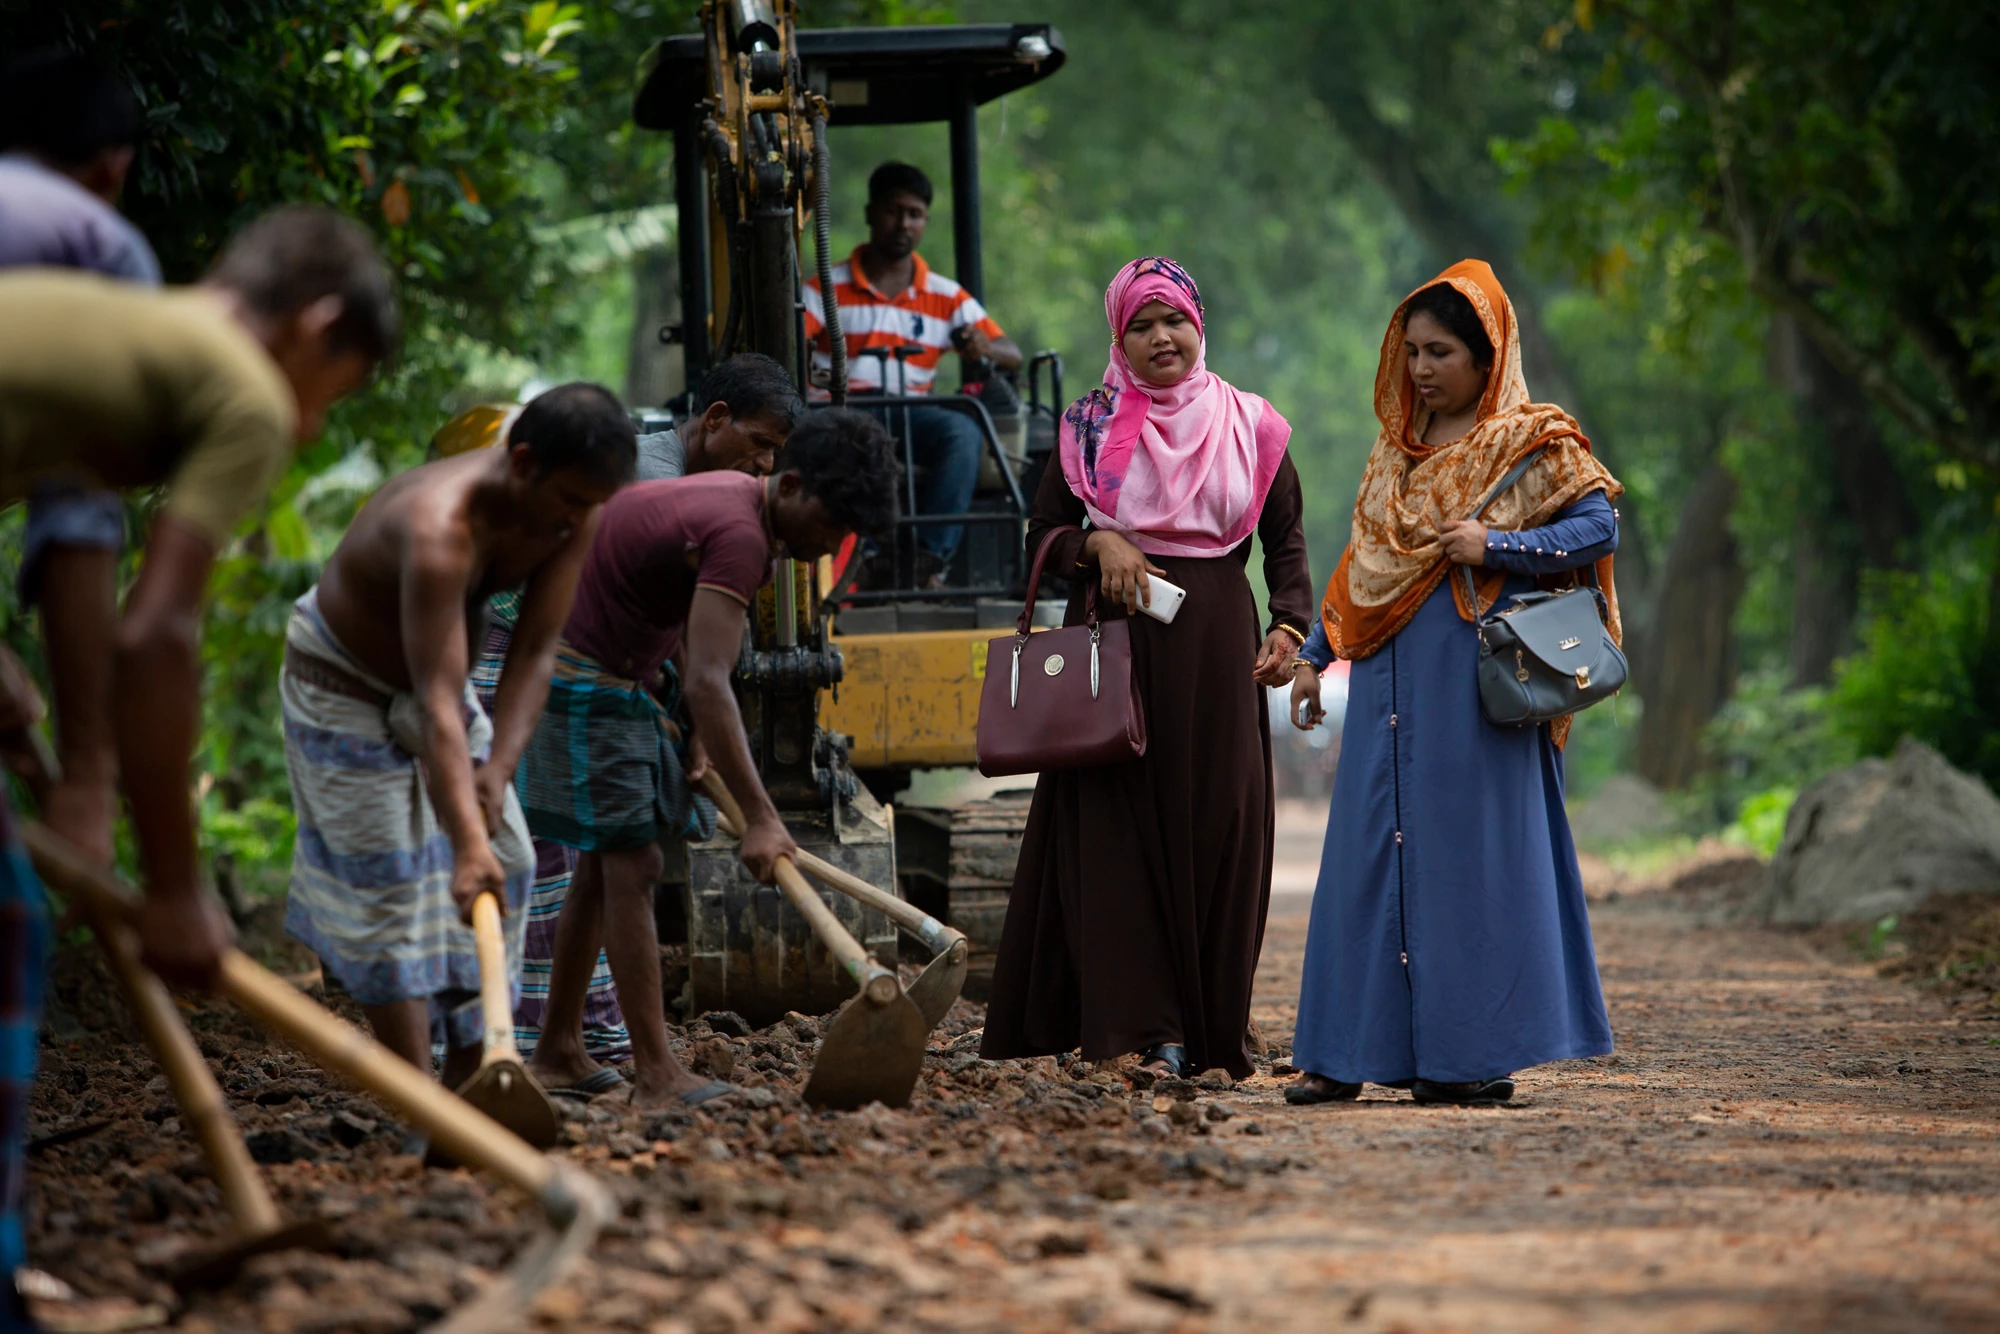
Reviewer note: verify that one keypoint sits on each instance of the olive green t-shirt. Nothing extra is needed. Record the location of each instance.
(109, 385)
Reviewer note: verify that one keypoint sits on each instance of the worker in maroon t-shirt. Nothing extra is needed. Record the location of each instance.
(670, 575)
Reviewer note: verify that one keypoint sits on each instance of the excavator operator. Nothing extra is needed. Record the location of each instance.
(899, 316)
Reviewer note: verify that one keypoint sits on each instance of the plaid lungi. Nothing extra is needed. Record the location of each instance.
(601, 772)
(24, 949)
(604, 1034)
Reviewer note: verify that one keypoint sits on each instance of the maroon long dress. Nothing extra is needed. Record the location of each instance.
(1138, 905)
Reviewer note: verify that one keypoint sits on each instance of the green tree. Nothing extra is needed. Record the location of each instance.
(1828, 162)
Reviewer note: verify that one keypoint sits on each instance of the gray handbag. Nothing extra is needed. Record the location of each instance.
(1546, 655)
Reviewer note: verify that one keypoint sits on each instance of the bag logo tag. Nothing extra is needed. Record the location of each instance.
(1052, 664)
(1568, 644)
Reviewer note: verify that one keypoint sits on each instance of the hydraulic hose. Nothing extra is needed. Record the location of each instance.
(829, 299)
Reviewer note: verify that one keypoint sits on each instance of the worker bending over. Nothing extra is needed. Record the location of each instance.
(402, 784)
(671, 574)
(742, 411)
(104, 384)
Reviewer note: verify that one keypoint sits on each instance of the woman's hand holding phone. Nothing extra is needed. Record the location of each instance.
(1122, 568)
(1306, 711)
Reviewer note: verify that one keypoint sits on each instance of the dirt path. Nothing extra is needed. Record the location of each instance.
(1783, 1142)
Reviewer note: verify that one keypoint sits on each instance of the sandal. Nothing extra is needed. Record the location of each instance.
(1464, 1093)
(1311, 1090)
(1170, 1054)
(709, 1092)
(599, 1081)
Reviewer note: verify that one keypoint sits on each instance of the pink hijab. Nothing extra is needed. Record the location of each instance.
(1181, 471)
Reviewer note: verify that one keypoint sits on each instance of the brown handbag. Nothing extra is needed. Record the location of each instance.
(1061, 699)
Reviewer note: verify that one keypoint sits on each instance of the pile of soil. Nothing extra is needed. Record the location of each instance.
(1951, 942)
(764, 1214)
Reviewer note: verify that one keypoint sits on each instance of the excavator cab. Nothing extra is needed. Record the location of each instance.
(908, 653)
(887, 76)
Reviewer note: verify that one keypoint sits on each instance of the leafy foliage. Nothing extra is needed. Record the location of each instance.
(1914, 675)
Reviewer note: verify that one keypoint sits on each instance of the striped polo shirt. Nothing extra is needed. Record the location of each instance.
(924, 313)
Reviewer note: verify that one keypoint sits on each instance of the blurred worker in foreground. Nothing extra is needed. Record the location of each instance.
(207, 390)
(671, 574)
(403, 785)
(69, 129)
(69, 126)
(890, 299)
(742, 412)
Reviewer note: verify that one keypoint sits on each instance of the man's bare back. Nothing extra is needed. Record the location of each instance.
(450, 519)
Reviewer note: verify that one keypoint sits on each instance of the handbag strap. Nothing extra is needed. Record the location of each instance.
(1588, 573)
(1027, 618)
(1514, 474)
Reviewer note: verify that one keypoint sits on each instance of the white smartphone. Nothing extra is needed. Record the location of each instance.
(1167, 599)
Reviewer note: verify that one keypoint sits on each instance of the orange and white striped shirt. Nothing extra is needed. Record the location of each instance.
(924, 314)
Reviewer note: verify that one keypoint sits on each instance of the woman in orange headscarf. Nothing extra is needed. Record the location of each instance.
(1449, 944)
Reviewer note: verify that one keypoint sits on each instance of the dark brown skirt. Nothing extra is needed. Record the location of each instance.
(1138, 905)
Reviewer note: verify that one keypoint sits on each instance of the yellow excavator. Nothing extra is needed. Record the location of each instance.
(846, 692)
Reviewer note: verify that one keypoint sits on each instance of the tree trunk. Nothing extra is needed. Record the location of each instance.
(1860, 517)
(1823, 606)
(652, 368)
(1687, 662)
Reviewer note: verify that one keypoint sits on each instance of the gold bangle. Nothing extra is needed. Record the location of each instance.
(1293, 633)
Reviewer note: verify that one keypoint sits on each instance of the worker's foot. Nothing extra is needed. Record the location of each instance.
(676, 1092)
(574, 1074)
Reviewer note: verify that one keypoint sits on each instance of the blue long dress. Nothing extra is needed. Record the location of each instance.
(1449, 939)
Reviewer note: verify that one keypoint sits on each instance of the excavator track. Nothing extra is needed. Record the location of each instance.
(957, 864)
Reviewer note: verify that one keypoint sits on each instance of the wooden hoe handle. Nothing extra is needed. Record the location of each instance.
(193, 1083)
(937, 937)
(494, 1002)
(877, 983)
(464, 1132)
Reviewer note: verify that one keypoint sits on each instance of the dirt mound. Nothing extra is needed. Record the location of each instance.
(1718, 880)
(1882, 836)
(1953, 943)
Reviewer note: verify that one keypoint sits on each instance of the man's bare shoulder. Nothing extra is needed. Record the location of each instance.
(424, 513)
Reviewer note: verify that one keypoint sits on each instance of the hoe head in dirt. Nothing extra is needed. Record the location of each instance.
(942, 979)
(501, 1087)
(874, 1048)
(213, 1266)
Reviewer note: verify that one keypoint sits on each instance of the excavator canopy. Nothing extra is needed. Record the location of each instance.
(873, 76)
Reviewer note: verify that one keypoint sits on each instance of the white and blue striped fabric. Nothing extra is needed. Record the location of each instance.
(371, 868)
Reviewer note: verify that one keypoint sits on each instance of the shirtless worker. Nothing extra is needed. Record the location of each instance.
(671, 574)
(741, 413)
(402, 784)
(208, 390)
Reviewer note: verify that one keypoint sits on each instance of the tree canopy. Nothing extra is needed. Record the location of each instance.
(1752, 243)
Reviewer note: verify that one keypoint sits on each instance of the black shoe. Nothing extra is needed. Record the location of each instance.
(1466, 1093)
(1320, 1089)
(1170, 1054)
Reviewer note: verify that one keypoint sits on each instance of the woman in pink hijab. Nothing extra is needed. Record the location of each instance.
(1138, 903)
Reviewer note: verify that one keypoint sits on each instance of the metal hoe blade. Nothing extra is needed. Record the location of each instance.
(505, 1091)
(940, 983)
(869, 1053)
(212, 1266)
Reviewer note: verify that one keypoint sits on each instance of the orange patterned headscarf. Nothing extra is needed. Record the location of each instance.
(1410, 490)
